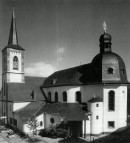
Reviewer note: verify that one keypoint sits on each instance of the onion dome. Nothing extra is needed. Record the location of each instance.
(108, 66)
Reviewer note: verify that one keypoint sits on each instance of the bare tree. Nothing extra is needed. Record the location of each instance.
(33, 124)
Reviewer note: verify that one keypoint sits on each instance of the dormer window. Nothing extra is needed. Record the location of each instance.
(54, 81)
(15, 63)
(110, 70)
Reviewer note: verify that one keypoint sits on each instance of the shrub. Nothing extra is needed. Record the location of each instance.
(59, 130)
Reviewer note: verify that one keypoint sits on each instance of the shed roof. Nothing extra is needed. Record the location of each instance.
(95, 99)
(28, 111)
(70, 111)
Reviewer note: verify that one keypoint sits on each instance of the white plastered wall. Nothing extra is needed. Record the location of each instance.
(19, 105)
(39, 119)
(96, 117)
(87, 92)
(119, 115)
(57, 119)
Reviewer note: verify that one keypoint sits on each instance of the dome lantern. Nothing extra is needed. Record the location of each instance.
(105, 40)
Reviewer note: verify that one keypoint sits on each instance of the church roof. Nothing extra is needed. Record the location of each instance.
(95, 99)
(88, 74)
(103, 61)
(71, 111)
(31, 109)
(15, 47)
(23, 91)
(106, 67)
(73, 76)
(13, 37)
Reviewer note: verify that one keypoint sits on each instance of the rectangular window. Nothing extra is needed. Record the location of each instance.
(97, 117)
(111, 124)
(97, 105)
(78, 96)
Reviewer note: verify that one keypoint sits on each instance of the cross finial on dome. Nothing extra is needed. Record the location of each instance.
(104, 26)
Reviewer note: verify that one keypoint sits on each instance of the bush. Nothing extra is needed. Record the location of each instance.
(59, 130)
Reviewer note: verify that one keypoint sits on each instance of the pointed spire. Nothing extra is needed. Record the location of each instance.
(13, 39)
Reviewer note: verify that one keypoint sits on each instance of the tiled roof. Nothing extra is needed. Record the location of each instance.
(71, 111)
(92, 73)
(74, 76)
(31, 109)
(16, 47)
(95, 99)
(23, 91)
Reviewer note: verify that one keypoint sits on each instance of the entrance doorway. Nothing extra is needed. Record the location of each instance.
(75, 128)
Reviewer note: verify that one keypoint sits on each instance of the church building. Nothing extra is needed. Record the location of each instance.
(90, 98)
(18, 91)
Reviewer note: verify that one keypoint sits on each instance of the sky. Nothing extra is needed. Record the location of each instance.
(59, 34)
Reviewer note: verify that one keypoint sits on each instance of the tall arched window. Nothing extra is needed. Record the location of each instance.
(15, 63)
(78, 96)
(56, 96)
(64, 96)
(111, 100)
(49, 96)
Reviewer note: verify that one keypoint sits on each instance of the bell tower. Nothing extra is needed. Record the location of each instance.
(13, 57)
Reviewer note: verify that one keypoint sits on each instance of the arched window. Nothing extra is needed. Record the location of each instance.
(15, 63)
(65, 96)
(78, 96)
(49, 96)
(56, 96)
(41, 123)
(111, 100)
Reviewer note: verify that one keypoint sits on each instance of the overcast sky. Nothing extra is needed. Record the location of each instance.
(59, 34)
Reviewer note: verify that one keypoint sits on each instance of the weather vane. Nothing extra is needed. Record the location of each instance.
(104, 26)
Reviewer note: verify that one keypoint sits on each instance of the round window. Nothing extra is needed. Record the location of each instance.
(52, 120)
